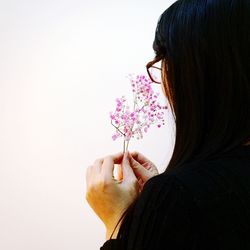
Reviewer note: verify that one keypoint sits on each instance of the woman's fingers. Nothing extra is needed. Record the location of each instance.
(117, 157)
(147, 165)
(119, 172)
(139, 170)
(97, 165)
(145, 162)
(93, 170)
(107, 167)
(141, 158)
(126, 167)
(131, 166)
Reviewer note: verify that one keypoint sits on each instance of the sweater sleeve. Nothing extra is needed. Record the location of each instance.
(161, 218)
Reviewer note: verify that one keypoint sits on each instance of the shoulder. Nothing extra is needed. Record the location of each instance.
(163, 181)
(175, 179)
(166, 189)
(203, 180)
(190, 183)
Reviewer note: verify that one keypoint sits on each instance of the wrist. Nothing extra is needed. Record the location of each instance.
(113, 232)
(108, 234)
(112, 228)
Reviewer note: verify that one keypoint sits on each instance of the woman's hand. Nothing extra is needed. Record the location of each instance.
(143, 168)
(108, 197)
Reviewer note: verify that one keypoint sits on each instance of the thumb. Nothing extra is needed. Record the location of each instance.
(140, 171)
(127, 170)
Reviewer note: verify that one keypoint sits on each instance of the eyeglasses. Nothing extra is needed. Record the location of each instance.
(154, 71)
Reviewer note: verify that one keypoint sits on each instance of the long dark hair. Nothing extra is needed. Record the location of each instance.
(204, 46)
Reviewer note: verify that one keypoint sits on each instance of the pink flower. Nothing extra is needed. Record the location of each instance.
(114, 137)
(146, 111)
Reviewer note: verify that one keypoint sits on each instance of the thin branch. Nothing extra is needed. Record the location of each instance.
(117, 128)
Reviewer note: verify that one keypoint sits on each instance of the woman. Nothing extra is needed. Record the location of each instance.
(202, 199)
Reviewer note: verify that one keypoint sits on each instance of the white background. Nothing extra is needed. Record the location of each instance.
(62, 64)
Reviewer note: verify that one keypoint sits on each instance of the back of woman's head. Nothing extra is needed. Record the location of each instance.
(204, 46)
(205, 50)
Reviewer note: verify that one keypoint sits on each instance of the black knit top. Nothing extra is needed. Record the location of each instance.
(202, 206)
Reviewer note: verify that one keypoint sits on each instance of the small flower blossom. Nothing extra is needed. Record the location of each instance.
(146, 111)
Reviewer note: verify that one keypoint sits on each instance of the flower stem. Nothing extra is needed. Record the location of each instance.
(124, 145)
(127, 146)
